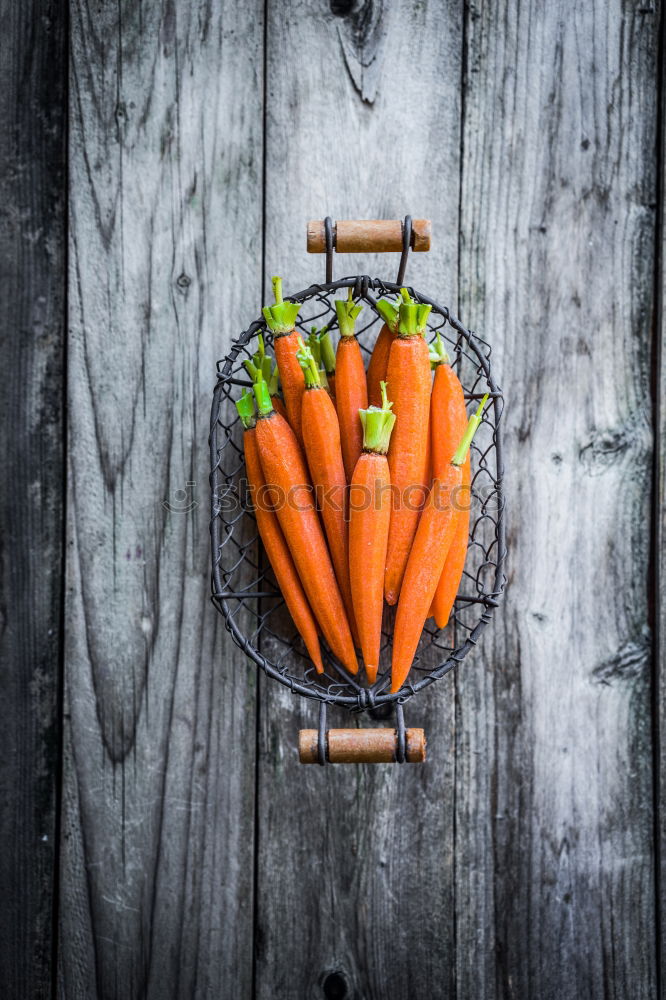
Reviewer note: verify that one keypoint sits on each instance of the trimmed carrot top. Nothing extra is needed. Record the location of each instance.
(261, 365)
(321, 345)
(315, 375)
(347, 311)
(280, 317)
(377, 424)
(327, 351)
(389, 313)
(263, 398)
(314, 345)
(438, 353)
(307, 361)
(470, 431)
(412, 316)
(245, 407)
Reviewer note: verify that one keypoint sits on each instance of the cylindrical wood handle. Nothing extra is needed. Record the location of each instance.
(376, 235)
(362, 746)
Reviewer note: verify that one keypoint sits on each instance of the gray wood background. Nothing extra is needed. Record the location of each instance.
(159, 162)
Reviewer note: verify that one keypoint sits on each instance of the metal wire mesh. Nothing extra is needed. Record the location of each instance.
(243, 586)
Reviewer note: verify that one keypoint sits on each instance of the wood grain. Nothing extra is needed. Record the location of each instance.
(32, 321)
(518, 861)
(355, 877)
(658, 576)
(554, 872)
(165, 217)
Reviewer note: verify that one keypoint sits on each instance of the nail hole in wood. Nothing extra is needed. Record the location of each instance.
(342, 8)
(335, 986)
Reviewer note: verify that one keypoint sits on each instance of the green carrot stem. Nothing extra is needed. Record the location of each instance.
(470, 431)
(265, 371)
(260, 353)
(377, 423)
(406, 297)
(280, 317)
(313, 344)
(347, 311)
(437, 352)
(245, 407)
(389, 313)
(263, 398)
(327, 350)
(307, 362)
(271, 377)
(413, 319)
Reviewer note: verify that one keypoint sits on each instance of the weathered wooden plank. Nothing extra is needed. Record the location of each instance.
(165, 188)
(554, 869)
(355, 862)
(659, 554)
(32, 250)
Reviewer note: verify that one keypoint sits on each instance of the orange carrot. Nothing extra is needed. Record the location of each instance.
(380, 353)
(409, 382)
(351, 392)
(370, 515)
(321, 436)
(448, 419)
(279, 407)
(273, 539)
(426, 559)
(285, 472)
(281, 319)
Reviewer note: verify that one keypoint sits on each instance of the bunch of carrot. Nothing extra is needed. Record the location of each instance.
(361, 481)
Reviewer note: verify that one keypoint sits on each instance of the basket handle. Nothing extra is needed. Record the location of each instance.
(369, 235)
(361, 746)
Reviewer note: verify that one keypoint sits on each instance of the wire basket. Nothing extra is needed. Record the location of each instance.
(243, 585)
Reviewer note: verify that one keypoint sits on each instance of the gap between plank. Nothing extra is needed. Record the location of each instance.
(64, 511)
(656, 539)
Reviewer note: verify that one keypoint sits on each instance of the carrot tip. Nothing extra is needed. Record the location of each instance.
(391, 598)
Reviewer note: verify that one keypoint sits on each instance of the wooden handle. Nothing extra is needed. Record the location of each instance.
(362, 746)
(359, 236)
